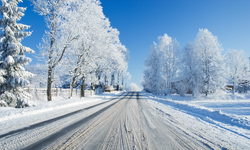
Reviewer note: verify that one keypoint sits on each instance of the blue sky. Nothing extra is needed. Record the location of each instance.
(140, 22)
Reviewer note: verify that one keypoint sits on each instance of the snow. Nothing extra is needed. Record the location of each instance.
(216, 135)
(13, 56)
(228, 111)
(9, 60)
(233, 110)
(201, 119)
(12, 118)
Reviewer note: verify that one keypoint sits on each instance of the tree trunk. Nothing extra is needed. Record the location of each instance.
(50, 69)
(118, 81)
(93, 86)
(49, 84)
(104, 88)
(82, 88)
(106, 80)
(112, 80)
(122, 80)
(73, 82)
(233, 87)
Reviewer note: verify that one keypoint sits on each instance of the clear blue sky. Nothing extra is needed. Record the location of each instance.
(140, 22)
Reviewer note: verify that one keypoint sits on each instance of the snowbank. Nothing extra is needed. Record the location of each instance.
(14, 118)
(240, 121)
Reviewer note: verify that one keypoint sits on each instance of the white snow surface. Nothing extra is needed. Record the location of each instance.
(231, 112)
(225, 117)
(13, 118)
(9, 60)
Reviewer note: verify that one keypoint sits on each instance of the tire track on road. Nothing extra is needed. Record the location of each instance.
(49, 139)
(165, 135)
(40, 124)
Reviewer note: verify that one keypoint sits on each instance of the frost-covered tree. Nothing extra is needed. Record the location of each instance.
(13, 76)
(123, 65)
(162, 66)
(62, 31)
(236, 63)
(97, 51)
(40, 72)
(209, 66)
(133, 87)
(202, 68)
(152, 78)
(40, 75)
(188, 74)
(79, 37)
(87, 48)
(118, 62)
(169, 57)
(125, 78)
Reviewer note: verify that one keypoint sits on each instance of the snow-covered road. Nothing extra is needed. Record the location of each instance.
(130, 121)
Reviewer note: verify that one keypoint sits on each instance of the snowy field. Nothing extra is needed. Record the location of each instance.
(13, 119)
(228, 111)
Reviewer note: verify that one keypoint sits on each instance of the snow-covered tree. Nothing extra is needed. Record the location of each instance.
(133, 87)
(80, 37)
(209, 66)
(13, 76)
(40, 72)
(122, 69)
(118, 62)
(62, 32)
(162, 66)
(87, 49)
(188, 74)
(40, 75)
(169, 56)
(152, 78)
(202, 68)
(236, 63)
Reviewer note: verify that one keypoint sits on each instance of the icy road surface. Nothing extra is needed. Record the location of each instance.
(127, 122)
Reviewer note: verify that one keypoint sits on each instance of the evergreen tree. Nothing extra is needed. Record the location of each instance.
(12, 74)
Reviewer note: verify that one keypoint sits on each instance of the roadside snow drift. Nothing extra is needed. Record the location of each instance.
(207, 113)
(13, 118)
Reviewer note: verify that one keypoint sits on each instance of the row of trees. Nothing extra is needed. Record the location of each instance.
(80, 43)
(199, 68)
(79, 31)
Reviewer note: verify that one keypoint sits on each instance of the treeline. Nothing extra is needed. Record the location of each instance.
(80, 45)
(198, 68)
